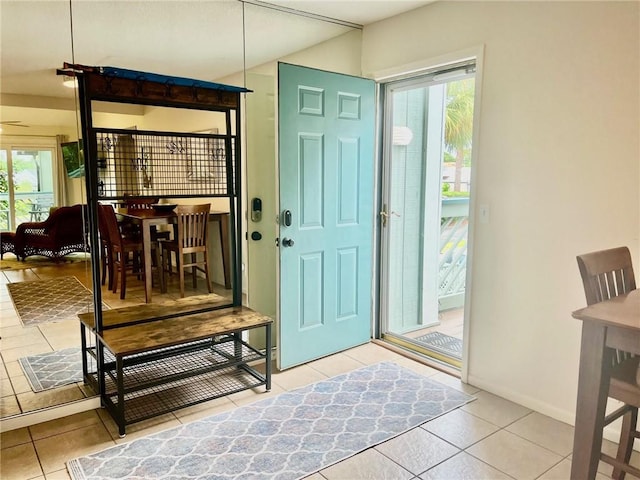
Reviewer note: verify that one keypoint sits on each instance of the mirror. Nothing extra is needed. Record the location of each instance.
(201, 40)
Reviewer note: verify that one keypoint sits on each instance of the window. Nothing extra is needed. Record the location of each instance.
(27, 180)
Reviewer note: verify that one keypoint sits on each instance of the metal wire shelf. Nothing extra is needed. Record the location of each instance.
(185, 392)
(168, 364)
(175, 377)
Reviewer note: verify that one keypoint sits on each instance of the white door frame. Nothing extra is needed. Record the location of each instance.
(410, 70)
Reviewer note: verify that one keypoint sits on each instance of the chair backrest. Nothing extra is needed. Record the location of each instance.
(606, 274)
(108, 224)
(139, 203)
(192, 225)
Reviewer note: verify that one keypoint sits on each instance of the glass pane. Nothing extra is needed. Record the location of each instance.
(32, 183)
(5, 217)
(427, 207)
(405, 209)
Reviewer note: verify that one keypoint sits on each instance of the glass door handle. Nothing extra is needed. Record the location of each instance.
(384, 215)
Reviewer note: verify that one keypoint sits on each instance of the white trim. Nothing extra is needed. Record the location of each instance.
(523, 400)
(27, 141)
(46, 414)
(41, 142)
(473, 200)
(303, 13)
(612, 432)
(415, 68)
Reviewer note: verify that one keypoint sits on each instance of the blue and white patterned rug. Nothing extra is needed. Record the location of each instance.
(288, 436)
(53, 369)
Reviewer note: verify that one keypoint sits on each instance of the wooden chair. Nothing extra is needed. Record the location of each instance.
(118, 250)
(144, 203)
(190, 238)
(607, 274)
(106, 263)
(138, 203)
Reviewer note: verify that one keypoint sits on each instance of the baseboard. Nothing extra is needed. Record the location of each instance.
(612, 432)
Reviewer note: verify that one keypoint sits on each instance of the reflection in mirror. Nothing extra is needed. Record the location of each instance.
(45, 272)
(201, 40)
(321, 45)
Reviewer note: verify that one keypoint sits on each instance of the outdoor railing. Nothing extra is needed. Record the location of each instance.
(29, 207)
(452, 266)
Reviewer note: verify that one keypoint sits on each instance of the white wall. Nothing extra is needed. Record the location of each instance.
(558, 165)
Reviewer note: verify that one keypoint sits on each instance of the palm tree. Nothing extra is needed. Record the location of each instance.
(458, 126)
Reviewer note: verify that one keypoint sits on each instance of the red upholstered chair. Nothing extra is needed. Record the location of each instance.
(7, 243)
(63, 232)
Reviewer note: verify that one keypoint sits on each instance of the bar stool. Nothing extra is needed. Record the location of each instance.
(191, 239)
(607, 274)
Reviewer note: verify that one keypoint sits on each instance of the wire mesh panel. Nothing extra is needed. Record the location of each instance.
(160, 164)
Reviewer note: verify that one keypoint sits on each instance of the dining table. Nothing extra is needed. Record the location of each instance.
(613, 323)
(148, 218)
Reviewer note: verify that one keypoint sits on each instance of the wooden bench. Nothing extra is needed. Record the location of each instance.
(156, 358)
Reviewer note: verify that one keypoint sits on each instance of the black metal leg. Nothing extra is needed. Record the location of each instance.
(267, 367)
(101, 371)
(237, 346)
(83, 350)
(120, 408)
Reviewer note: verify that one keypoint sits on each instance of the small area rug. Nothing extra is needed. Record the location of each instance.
(287, 436)
(56, 299)
(53, 369)
(441, 343)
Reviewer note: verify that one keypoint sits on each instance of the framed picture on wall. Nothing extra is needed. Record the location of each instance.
(206, 158)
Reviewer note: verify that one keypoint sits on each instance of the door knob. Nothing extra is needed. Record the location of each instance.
(287, 242)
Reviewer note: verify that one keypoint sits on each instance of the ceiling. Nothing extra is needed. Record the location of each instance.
(200, 39)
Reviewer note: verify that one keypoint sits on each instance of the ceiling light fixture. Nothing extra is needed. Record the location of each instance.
(69, 82)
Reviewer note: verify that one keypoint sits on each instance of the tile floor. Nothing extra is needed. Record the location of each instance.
(489, 438)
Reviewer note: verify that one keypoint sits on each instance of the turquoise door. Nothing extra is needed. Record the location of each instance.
(326, 150)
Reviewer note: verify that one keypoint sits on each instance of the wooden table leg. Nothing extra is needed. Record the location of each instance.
(146, 252)
(593, 387)
(223, 223)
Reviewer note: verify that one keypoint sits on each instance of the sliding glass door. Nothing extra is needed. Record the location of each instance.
(428, 124)
(27, 177)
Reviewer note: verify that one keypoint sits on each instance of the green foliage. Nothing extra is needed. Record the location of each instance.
(448, 158)
(458, 127)
(4, 182)
(448, 193)
(4, 204)
(451, 194)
